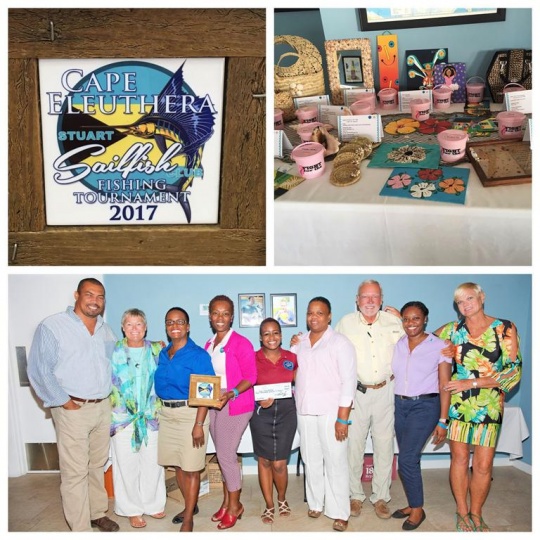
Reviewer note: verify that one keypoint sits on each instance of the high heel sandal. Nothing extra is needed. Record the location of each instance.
(284, 508)
(267, 516)
(463, 523)
(219, 515)
(482, 526)
(229, 520)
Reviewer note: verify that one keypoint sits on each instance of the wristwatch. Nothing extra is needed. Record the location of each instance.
(475, 383)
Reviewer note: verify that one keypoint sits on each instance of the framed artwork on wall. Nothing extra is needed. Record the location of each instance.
(251, 309)
(284, 308)
(394, 19)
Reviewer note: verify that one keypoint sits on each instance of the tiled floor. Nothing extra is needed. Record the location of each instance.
(34, 505)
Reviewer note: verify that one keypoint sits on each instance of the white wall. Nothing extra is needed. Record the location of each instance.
(30, 301)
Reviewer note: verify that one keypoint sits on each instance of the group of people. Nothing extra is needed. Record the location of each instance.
(379, 371)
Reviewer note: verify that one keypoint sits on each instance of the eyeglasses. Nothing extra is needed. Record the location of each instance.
(181, 322)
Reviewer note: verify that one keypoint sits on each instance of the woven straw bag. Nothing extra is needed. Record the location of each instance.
(304, 78)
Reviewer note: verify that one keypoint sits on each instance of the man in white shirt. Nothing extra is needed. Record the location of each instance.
(373, 332)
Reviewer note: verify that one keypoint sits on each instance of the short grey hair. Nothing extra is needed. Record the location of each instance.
(370, 282)
(133, 312)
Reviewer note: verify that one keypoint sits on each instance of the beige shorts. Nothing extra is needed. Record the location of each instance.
(175, 443)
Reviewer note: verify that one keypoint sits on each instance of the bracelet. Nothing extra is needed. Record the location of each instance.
(235, 392)
(443, 420)
(199, 423)
(346, 422)
(441, 425)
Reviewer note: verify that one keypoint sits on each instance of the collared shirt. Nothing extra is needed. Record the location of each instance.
(280, 372)
(417, 372)
(374, 344)
(326, 375)
(65, 359)
(171, 379)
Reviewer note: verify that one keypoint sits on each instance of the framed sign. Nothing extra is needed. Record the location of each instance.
(252, 309)
(421, 17)
(284, 309)
(115, 222)
(204, 390)
(132, 141)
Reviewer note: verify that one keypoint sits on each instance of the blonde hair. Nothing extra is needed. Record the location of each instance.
(460, 289)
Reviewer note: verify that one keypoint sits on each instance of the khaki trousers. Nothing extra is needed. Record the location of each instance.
(373, 411)
(82, 437)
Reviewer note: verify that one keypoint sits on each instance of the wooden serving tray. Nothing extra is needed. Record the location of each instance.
(501, 163)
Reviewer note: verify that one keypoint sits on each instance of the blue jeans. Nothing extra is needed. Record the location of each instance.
(415, 421)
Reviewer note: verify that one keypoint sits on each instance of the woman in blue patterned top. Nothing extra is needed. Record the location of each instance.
(139, 482)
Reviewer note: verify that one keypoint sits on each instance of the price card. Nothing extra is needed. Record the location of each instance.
(311, 100)
(281, 143)
(328, 114)
(520, 101)
(351, 95)
(367, 125)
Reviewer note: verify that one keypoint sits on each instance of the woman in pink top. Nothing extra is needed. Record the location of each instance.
(421, 404)
(233, 359)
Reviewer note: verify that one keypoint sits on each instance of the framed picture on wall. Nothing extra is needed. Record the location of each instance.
(252, 310)
(352, 69)
(394, 19)
(284, 308)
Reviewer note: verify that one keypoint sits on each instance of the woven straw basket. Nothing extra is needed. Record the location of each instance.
(304, 78)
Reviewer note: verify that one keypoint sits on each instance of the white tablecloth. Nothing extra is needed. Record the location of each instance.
(514, 431)
(317, 223)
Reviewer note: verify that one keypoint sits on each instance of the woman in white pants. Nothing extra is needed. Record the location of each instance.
(139, 482)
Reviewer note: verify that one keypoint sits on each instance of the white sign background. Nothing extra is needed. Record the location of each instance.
(205, 76)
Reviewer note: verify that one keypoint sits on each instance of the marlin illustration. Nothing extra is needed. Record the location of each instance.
(191, 126)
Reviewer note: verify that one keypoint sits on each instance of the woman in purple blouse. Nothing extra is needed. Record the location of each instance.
(421, 405)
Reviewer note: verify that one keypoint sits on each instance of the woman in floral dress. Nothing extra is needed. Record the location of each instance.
(487, 365)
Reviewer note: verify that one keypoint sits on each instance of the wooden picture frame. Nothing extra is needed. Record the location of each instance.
(251, 310)
(334, 47)
(204, 390)
(382, 22)
(283, 308)
(501, 163)
(239, 237)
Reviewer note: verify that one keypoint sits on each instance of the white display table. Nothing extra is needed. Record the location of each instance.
(317, 223)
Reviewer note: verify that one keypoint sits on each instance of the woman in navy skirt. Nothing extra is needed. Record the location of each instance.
(273, 425)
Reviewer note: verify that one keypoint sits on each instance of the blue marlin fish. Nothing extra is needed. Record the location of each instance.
(192, 125)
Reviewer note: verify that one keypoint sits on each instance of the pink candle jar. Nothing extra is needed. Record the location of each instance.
(306, 130)
(309, 159)
(475, 90)
(511, 124)
(278, 119)
(441, 97)
(388, 98)
(513, 87)
(309, 113)
(370, 98)
(453, 143)
(420, 109)
(363, 106)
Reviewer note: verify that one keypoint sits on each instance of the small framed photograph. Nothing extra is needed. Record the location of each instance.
(204, 390)
(251, 309)
(352, 69)
(284, 308)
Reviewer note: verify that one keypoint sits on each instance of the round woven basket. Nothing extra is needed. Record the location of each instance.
(304, 78)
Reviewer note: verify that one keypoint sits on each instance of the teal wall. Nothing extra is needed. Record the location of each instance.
(507, 296)
(473, 44)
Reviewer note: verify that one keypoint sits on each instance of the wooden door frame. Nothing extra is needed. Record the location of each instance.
(238, 35)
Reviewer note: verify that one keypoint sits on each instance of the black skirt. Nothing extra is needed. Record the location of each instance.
(273, 429)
